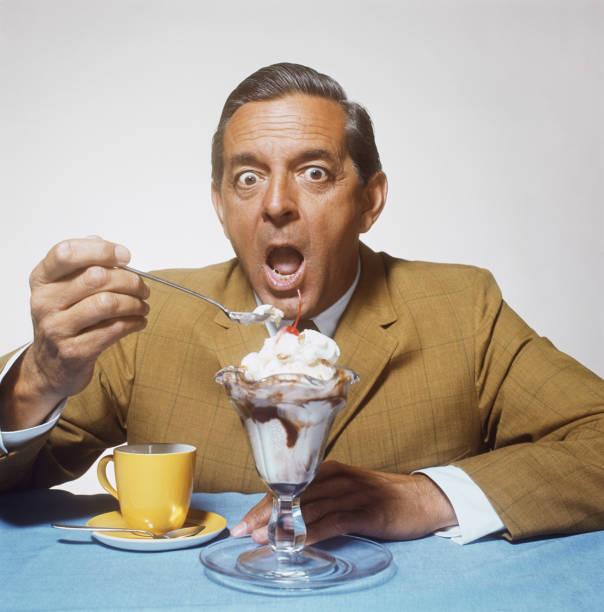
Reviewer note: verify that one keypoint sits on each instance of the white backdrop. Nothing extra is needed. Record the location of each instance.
(489, 116)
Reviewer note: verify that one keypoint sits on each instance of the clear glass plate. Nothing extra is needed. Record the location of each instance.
(356, 559)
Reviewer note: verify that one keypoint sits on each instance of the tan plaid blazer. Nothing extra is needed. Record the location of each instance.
(449, 375)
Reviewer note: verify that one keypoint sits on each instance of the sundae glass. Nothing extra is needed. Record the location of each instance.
(287, 396)
(287, 418)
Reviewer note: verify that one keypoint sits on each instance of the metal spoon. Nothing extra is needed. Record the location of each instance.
(244, 318)
(183, 532)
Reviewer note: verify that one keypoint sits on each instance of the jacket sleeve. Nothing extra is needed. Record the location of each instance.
(542, 416)
(92, 421)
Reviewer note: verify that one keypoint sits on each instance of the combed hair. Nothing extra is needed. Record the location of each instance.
(279, 80)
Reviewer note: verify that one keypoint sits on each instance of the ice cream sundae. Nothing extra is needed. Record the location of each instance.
(287, 396)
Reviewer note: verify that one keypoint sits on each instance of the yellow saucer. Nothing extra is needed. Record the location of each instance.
(130, 541)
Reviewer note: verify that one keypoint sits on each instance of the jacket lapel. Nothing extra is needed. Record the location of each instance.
(365, 345)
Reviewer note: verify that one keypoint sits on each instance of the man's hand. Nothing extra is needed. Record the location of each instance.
(80, 304)
(345, 499)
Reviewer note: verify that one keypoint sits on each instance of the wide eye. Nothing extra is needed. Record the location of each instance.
(315, 174)
(247, 179)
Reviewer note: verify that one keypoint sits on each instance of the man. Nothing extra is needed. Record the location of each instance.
(509, 430)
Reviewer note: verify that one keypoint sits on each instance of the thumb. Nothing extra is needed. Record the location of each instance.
(257, 517)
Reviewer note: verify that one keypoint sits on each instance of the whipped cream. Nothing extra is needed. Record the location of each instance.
(274, 314)
(310, 353)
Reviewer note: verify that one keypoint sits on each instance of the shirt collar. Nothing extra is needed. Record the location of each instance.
(326, 321)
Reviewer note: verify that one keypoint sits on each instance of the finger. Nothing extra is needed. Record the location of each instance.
(91, 342)
(339, 478)
(332, 468)
(260, 535)
(331, 525)
(257, 517)
(70, 255)
(323, 519)
(340, 522)
(92, 311)
(350, 500)
(107, 332)
(75, 287)
(329, 468)
(335, 486)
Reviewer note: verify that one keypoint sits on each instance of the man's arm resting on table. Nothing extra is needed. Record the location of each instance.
(348, 499)
(476, 517)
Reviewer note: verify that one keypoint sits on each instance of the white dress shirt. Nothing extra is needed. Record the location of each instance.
(475, 514)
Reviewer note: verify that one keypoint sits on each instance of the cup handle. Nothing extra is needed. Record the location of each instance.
(101, 472)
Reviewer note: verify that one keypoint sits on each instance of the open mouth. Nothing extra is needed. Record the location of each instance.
(285, 265)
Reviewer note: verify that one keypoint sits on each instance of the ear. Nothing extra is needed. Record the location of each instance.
(373, 200)
(219, 208)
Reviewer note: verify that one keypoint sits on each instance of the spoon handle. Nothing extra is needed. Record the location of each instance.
(175, 286)
(89, 528)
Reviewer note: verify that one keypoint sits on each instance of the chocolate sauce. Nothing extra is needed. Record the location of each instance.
(262, 407)
(263, 412)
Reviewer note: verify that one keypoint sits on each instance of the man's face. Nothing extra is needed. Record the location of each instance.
(290, 201)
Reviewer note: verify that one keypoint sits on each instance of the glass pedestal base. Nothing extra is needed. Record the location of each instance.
(264, 562)
(358, 563)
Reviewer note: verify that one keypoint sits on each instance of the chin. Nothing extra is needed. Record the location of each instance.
(289, 305)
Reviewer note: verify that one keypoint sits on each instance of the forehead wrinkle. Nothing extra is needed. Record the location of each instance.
(285, 129)
(276, 128)
(253, 146)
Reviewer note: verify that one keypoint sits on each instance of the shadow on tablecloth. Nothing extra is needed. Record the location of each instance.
(48, 505)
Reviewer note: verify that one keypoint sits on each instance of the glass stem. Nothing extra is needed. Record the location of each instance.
(286, 528)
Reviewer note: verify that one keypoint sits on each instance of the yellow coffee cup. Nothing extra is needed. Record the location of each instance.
(154, 484)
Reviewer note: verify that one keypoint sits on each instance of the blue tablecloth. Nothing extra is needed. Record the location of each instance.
(42, 568)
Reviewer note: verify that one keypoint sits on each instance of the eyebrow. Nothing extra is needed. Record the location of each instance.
(245, 159)
(311, 154)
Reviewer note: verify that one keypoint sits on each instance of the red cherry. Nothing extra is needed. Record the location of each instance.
(293, 329)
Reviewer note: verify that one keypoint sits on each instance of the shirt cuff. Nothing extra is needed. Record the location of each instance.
(12, 440)
(475, 515)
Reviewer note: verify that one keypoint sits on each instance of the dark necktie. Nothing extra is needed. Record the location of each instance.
(307, 324)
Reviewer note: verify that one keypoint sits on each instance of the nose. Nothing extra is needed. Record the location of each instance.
(279, 204)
